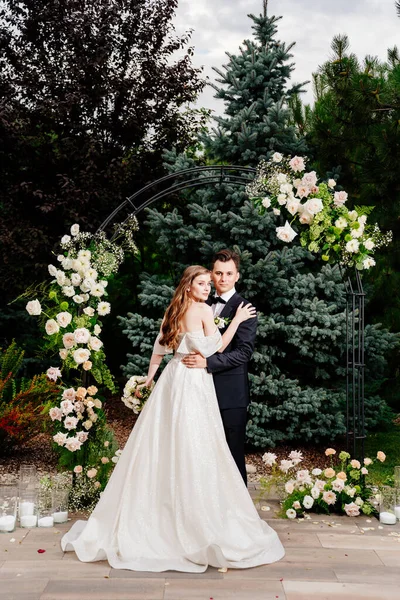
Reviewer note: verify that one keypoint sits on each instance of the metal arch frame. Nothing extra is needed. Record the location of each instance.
(217, 174)
(355, 295)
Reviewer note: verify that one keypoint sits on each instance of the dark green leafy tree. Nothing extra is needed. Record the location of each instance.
(297, 372)
(90, 95)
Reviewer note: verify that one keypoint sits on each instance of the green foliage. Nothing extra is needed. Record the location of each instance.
(297, 371)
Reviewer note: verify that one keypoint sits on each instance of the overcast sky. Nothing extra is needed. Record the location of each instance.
(222, 25)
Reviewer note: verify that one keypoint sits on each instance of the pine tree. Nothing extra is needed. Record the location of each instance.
(297, 372)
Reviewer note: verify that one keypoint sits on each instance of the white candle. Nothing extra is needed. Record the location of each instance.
(397, 512)
(7, 523)
(61, 516)
(387, 518)
(28, 521)
(26, 508)
(46, 522)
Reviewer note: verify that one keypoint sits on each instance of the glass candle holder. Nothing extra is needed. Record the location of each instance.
(45, 508)
(397, 477)
(8, 507)
(27, 477)
(60, 505)
(27, 508)
(387, 506)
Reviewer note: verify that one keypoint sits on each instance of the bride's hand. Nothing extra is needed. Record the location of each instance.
(244, 313)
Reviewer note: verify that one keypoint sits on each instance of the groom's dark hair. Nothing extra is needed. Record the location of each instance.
(226, 255)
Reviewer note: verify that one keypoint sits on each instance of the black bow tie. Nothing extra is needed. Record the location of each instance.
(217, 300)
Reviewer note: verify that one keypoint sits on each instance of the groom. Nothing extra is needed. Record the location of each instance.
(229, 368)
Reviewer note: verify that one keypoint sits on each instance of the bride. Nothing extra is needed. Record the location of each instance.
(176, 500)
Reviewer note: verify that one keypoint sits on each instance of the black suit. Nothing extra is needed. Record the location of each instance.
(229, 369)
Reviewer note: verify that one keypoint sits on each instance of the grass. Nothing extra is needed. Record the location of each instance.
(389, 443)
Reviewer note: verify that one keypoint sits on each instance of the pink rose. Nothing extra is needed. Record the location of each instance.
(297, 164)
(55, 414)
(53, 373)
(306, 218)
(69, 394)
(330, 451)
(381, 456)
(92, 473)
(364, 471)
(87, 365)
(66, 407)
(105, 460)
(82, 436)
(78, 469)
(309, 179)
(329, 497)
(73, 444)
(352, 510)
(97, 484)
(329, 473)
(355, 464)
(367, 461)
(339, 198)
(303, 191)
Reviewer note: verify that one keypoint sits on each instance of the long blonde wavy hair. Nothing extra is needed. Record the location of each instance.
(179, 304)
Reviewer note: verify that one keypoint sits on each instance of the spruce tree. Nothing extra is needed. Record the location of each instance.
(297, 372)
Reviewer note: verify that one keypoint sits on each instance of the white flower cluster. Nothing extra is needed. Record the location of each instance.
(293, 190)
(76, 415)
(136, 382)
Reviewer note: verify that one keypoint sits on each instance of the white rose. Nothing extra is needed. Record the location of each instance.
(63, 352)
(61, 278)
(69, 340)
(52, 270)
(316, 472)
(306, 218)
(357, 233)
(60, 258)
(104, 283)
(291, 513)
(87, 424)
(95, 343)
(68, 291)
(266, 202)
(78, 299)
(363, 219)
(313, 206)
(97, 329)
(51, 327)
(64, 319)
(85, 254)
(359, 501)
(82, 335)
(297, 164)
(34, 308)
(286, 233)
(293, 206)
(75, 229)
(315, 492)
(67, 263)
(76, 279)
(281, 178)
(91, 274)
(65, 239)
(286, 188)
(103, 308)
(276, 211)
(277, 157)
(353, 215)
(60, 438)
(66, 406)
(282, 199)
(73, 444)
(369, 244)
(97, 290)
(341, 223)
(352, 246)
(310, 179)
(331, 183)
(81, 355)
(87, 284)
(308, 501)
(85, 297)
(368, 262)
(89, 311)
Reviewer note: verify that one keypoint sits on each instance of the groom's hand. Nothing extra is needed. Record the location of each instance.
(195, 361)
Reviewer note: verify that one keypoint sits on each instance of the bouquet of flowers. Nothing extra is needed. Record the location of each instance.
(327, 226)
(339, 488)
(137, 382)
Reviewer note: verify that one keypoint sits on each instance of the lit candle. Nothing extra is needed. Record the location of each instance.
(7, 523)
(46, 522)
(28, 520)
(61, 516)
(397, 512)
(387, 518)
(26, 508)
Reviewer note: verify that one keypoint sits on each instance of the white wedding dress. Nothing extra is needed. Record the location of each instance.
(176, 500)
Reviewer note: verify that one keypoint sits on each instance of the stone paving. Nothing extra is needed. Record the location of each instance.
(326, 559)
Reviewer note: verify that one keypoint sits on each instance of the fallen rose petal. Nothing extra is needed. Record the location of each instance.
(223, 570)
(40, 551)
(12, 540)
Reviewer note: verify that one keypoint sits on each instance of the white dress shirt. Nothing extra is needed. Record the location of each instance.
(218, 307)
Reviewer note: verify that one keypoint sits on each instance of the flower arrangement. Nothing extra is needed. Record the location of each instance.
(339, 488)
(222, 322)
(327, 226)
(137, 382)
(76, 299)
(76, 414)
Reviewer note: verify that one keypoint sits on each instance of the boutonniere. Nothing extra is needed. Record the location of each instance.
(222, 322)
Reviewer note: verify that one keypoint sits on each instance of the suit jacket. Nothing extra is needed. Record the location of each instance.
(229, 368)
